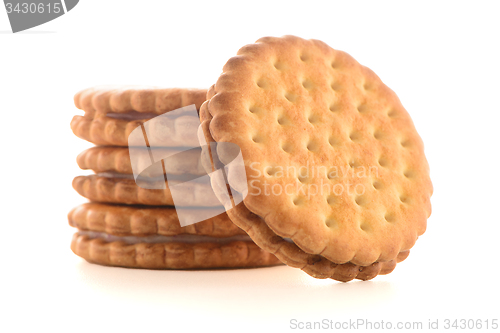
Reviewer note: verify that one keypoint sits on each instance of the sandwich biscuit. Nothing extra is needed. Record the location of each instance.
(150, 237)
(338, 183)
(112, 113)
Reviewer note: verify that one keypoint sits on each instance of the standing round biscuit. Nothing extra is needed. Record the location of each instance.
(333, 160)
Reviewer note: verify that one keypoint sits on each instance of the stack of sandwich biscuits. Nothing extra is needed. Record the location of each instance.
(129, 224)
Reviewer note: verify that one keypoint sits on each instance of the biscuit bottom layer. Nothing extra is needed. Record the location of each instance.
(154, 239)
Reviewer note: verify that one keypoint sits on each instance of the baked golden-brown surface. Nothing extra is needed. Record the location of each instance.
(117, 159)
(292, 105)
(122, 220)
(172, 255)
(112, 113)
(115, 132)
(126, 191)
(101, 100)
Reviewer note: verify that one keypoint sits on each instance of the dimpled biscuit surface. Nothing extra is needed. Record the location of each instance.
(333, 160)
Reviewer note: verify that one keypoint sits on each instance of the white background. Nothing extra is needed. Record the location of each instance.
(442, 59)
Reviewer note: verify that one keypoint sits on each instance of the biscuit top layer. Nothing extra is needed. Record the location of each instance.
(131, 100)
(346, 164)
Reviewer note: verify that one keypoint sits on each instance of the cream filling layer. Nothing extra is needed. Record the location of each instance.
(135, 115)
(154, 239)
(131, 115)
(178, 178)
(112, 174)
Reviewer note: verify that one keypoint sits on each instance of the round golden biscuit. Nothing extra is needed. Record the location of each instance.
(332, 158)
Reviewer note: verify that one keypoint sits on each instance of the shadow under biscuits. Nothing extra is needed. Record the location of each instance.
(279, 290)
